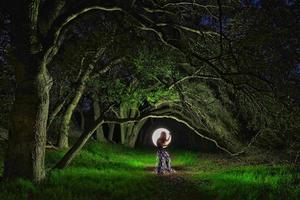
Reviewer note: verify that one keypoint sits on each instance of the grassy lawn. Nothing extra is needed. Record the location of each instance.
(104, 171)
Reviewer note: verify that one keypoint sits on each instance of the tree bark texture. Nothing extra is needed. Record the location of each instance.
(27, 135)
(63, 137)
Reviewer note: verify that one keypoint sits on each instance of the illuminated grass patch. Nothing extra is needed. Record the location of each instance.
(255, 182)
(113, 172)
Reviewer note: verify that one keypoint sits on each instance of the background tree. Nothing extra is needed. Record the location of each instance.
(39, 28)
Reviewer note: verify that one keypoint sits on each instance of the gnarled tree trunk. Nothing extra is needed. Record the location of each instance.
(27, 135)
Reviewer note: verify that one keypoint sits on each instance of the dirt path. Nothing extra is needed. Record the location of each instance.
(178, 185)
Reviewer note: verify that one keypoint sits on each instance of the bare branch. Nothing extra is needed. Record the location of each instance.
(58, 29)
(206, 77)
(128, 120)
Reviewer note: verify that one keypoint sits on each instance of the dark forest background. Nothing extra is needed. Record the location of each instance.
(227, 71)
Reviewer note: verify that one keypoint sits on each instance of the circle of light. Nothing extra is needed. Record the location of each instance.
(156, 134)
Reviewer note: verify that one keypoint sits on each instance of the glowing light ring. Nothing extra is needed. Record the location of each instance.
(156, 134)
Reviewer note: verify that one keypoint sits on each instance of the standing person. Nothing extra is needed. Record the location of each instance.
(164, 161)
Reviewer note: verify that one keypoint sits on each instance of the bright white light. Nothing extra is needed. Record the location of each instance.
(156, 134)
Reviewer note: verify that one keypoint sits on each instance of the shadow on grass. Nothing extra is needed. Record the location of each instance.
(83, 183)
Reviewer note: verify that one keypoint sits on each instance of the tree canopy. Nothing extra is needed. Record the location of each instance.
(229, 70)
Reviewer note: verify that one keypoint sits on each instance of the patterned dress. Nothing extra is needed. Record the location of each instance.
(163, 162)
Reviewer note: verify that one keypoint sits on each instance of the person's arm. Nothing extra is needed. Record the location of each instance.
(167, 141)
(169, 138)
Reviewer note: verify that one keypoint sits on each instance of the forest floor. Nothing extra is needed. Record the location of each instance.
(113, 172)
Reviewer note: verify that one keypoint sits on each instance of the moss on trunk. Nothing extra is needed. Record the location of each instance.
(27, 135)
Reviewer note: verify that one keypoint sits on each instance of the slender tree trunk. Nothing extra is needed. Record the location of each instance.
(55, 112)
(63, 137)
(123, 114)
(99, 132)
(111, 132)
(128, 128)
(74, 150)
(128, 133)
(27, 136)
(135, 133)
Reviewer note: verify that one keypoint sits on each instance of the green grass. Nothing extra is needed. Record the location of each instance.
(251, 182)
(104, 171)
